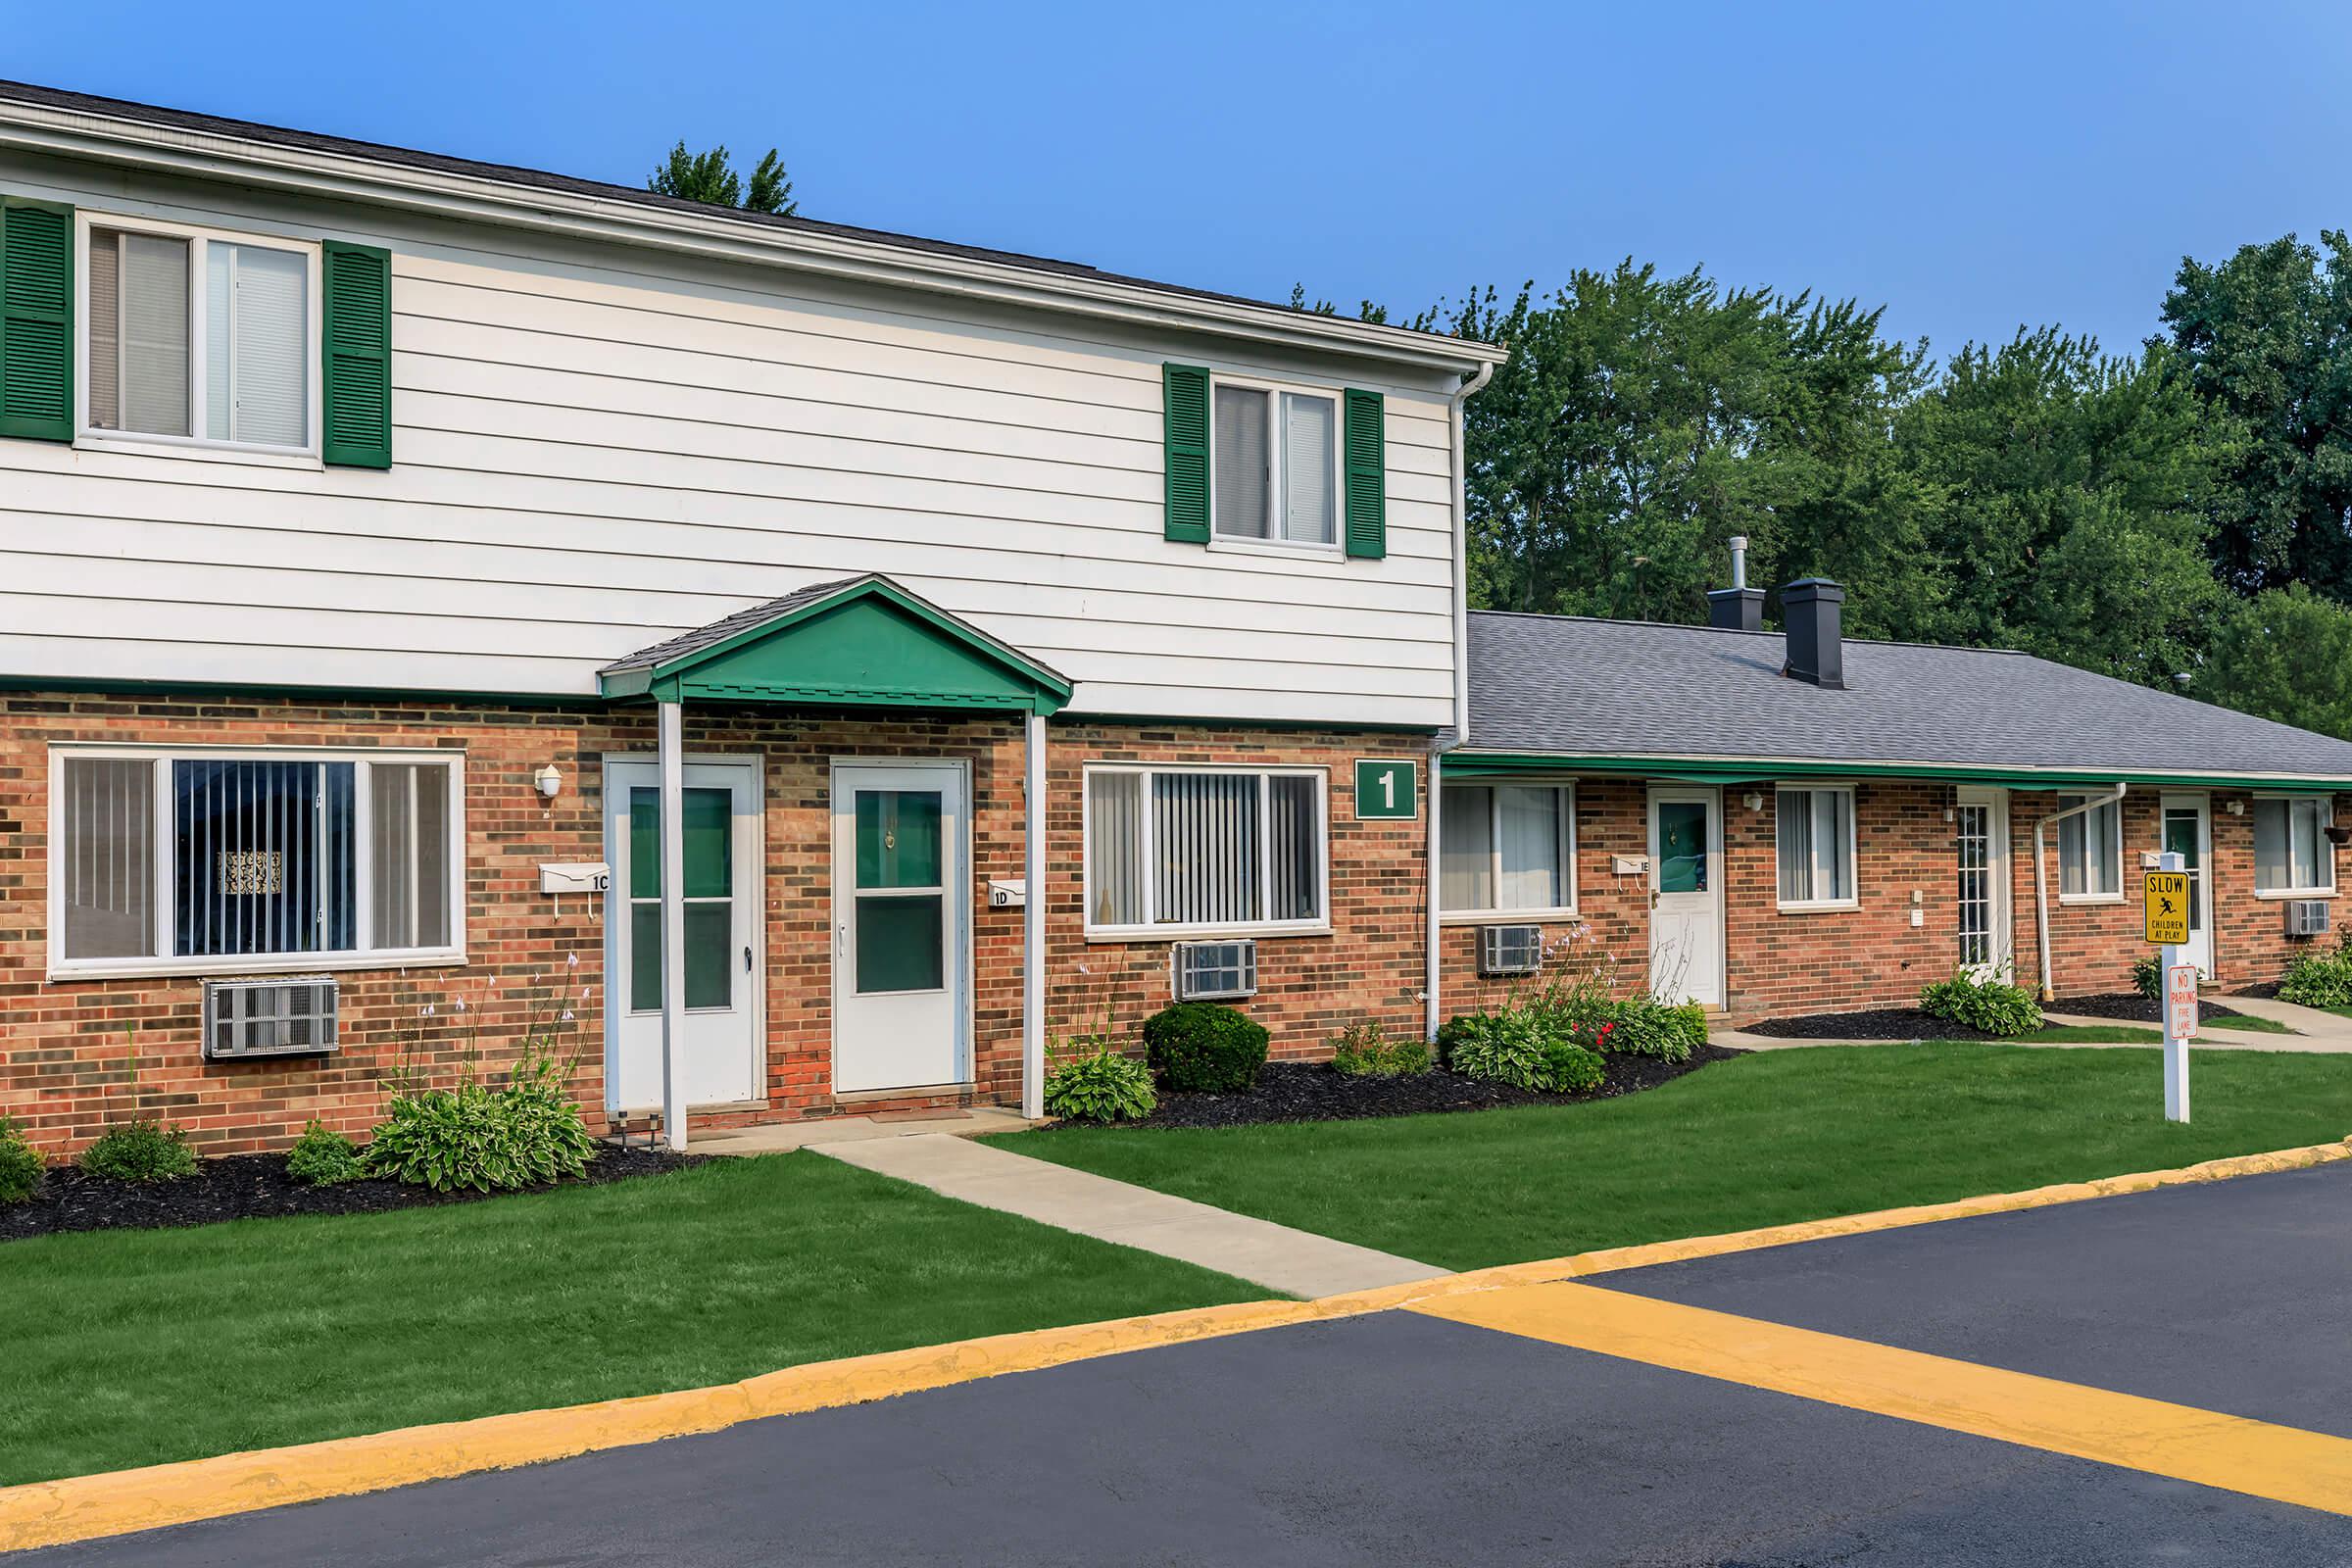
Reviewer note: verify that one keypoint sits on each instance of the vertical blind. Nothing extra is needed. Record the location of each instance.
(108, 869)
(409, 855)
(154, 335)
(2086, 849)
(1466, 848)
(1308, 430)
(1203, 849)
(263, 857)
(1816, 828)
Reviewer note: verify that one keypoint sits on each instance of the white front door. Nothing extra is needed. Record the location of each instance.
(1981, 849)
(901, 898)
(2188, 831)
(721, 1057)
(1686, 894)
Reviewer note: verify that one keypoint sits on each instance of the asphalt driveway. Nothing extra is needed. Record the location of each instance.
(1404, 1438)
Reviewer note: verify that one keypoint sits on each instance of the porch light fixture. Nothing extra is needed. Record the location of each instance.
(1755, 801)
(549, 780)
(2237, 808)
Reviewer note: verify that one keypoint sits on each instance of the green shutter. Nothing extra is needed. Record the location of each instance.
(355, 356)
(1367, 477)
(36, 319)
(1186, 388)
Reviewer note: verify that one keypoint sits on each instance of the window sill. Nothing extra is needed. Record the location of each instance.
(1509, 916)
(1275, 547)
(2294, 892)
(228, 969)
(204, 451)
(2075, 901)
(1204, 933)
(1823, 906)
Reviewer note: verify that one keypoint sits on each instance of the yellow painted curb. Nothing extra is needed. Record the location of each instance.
(45, 1513)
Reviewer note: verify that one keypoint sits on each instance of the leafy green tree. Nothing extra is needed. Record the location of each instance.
(2284, 654)
(2064, 494)
(709, 177)
(2265, 339)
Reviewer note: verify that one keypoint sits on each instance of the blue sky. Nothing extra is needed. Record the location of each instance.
(1971, 166)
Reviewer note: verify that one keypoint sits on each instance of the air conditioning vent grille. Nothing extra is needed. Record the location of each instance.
(290, 1017)
(2307, 917)
(1215, 971)
(1507, 949)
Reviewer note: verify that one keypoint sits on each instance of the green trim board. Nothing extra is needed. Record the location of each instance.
(870, 643)
(1760, 770)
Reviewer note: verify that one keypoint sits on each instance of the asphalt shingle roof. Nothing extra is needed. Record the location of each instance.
(1598, 688)
(719, 631)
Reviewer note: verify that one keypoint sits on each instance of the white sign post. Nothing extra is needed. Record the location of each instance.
(2180, 1014)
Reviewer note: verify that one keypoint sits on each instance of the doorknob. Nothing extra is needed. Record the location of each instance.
(747, 958)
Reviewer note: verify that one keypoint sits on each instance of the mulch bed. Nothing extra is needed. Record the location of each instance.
(1875, 1023)
(257, 1187)
(2133, 1007)
(1297, 1091)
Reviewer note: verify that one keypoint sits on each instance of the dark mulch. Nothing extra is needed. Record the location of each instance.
(2268, 989)
(2133, 1007)
(257, 1187)
(1875, 1023)
(1299, 1091)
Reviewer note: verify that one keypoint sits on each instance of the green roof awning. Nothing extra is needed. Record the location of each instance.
(862, 641)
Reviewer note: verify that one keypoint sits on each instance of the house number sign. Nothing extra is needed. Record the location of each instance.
(1385, 791)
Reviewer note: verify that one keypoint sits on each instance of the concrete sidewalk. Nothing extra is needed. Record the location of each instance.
(1294, 1262)
(2316, 1032)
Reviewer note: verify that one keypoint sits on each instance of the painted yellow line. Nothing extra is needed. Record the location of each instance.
(2284, 1464)
(84, 1507)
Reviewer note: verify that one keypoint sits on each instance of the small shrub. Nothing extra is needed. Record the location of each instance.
(2147, 977)
(20, 1163)
(1504, 1046)
(141, 1151)
(1647, 1027)
(324, 1158)
(2320, 978)
(1992, 1006)
(1570, 1068)
(1206, 1047)
(1361, 1050)
(1104, 1084)
(526, 1133)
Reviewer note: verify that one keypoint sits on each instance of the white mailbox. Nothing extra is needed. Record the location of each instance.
(574, 876)
(1630, 864)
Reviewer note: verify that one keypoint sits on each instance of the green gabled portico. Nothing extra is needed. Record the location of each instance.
(859, 643)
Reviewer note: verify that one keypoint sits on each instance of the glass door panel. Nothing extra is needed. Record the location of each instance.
(709, 830)
(1682, 846)
(900, 895)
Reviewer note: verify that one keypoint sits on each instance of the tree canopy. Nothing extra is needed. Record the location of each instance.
(709, 176)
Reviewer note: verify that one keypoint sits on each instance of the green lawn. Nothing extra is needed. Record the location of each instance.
(134, 1348)
(2138, 1034)
(1769, 1138)
(2249, 1024)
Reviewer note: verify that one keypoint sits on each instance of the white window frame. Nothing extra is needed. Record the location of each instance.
(361, 957)
(195, 442)
(2114, 802)
(1499, 914)
(2327, 805)
(1854, 855)
(1337, 397)
(1319, 925)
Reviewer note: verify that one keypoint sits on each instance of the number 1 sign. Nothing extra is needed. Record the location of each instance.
(1387, 791)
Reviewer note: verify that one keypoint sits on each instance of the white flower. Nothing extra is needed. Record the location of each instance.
(425, 1011)
(1083, 969)
(566, 1015)
(572, 961)
(458, 1006)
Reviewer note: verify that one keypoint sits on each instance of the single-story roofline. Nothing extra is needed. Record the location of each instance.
(1466, 763)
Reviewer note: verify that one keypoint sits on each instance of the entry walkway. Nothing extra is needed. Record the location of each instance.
(1292, 1261)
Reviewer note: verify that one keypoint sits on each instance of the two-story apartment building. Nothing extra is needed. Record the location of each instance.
(852, 659)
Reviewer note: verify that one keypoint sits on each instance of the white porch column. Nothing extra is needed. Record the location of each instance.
(1033, 919)
(1433, 955)
(673, 924)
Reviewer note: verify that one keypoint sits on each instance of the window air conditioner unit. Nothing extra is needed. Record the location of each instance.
(290, 1017)
(1215, 971)
(2307, 917)
(1509, 949)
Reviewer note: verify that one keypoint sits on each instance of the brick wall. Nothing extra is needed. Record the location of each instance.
(65, 1063)
(1779, 963)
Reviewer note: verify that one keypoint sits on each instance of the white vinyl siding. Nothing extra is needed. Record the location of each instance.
(1274, 466)
(178, 862)
(2091, 852)
(1193, 850)
(1508, 849)
(1816, 849)
(2293, 856)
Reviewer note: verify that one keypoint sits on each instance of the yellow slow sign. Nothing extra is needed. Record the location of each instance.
(2163, 898)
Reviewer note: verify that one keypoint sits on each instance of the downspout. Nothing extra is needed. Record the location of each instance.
(1432, 1008)
(2041, 879)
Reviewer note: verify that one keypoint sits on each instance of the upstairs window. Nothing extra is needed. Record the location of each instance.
(2293, 853)
(199, 337)
(1274, 466)
(2090, 851)
(204, 864)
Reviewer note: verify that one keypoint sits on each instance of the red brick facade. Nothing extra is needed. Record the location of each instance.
(1784, 962)
(64, 1069)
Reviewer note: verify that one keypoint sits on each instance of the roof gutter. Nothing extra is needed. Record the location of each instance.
(2041, 878)
(1432, 978)
(1468, 761)
(473, 198)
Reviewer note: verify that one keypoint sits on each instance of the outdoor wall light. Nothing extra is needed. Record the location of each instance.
(549, 780)
(1755, 802)
(2237, 808)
